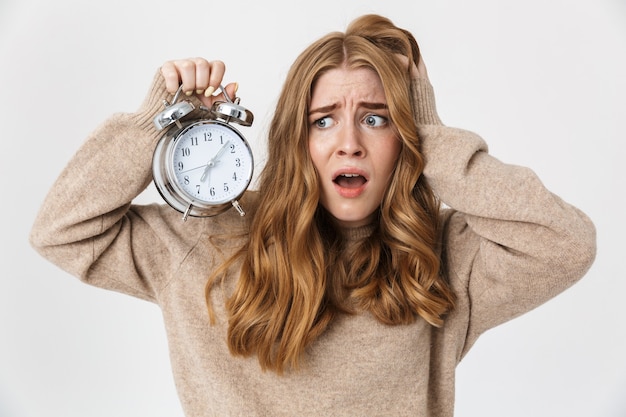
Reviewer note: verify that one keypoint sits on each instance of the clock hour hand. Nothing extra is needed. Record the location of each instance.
(214, 161)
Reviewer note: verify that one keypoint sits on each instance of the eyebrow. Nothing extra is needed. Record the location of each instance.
(365, 104)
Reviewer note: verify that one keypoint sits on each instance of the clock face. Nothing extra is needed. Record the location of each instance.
(210, 163)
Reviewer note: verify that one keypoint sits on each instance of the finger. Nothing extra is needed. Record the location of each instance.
(203, 72)
(171, 76)
(187, 71)
(407, 63)
(217, 70)
(421, 68)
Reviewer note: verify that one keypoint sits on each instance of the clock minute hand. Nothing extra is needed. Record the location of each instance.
(214, 161)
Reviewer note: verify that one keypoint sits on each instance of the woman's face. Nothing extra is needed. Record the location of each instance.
(352, 143)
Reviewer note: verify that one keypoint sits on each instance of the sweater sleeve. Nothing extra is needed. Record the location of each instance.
(509, 244)
(87, 225)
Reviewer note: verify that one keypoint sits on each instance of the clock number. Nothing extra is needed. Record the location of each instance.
(234, 176)
(232, 148)
(237, 162)
(212, 191)
(180, 166)
(221, 140)
(186, 179)
(197, 188)
(225, 187)
(186, 151)
(194, 141)
(208, 136)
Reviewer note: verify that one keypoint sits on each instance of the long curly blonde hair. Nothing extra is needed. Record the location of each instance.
(296, 275)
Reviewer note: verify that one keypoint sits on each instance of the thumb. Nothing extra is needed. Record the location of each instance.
(231, 92)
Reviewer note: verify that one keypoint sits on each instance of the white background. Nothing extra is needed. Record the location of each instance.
(543, 82)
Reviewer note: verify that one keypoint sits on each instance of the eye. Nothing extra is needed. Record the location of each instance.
(375, 120)
(323, 122)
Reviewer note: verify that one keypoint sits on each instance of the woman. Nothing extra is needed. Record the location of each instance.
(346, 290)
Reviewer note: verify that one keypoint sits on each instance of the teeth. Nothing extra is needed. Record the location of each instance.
(349, 175)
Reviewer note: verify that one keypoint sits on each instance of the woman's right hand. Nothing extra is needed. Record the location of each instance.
(198, 76)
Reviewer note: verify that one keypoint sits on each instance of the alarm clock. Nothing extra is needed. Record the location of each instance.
(202, 167)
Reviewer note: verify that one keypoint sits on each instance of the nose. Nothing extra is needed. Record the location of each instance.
(350, 142)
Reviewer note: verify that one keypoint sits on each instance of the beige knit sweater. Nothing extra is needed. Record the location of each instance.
(508, 246)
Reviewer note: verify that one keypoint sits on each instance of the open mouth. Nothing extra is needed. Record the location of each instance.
(350, 181)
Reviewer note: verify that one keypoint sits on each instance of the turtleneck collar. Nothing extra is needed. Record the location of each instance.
(353, 234)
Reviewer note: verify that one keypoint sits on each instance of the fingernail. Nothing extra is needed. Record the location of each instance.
(198, 91)
(188, 93)
(209, 91)
(236, 87)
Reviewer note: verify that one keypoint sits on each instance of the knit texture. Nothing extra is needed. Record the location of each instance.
(508, 245)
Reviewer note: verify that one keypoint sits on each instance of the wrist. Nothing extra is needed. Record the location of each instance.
(152, 104)
(424, 102)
